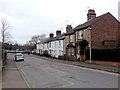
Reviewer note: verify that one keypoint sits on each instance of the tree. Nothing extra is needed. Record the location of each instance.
(31, 44)
(37, 38)
(5, 26)
(83, 45)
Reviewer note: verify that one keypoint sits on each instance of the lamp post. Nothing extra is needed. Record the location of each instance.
(89, 28)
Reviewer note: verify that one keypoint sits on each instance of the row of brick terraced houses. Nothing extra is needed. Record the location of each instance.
(105, 33)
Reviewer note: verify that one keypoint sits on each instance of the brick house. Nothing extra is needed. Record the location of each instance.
(70, 43)
(103, 30)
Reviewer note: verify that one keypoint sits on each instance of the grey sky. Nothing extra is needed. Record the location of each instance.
(33, 17)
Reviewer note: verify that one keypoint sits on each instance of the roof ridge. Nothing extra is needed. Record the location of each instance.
(89, 22)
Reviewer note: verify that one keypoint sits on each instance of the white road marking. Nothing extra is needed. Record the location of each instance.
(95, 70)
(90, 69)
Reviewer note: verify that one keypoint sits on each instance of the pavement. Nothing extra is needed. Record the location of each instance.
(11, 74)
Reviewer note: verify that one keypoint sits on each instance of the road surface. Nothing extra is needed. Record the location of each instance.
(41, 73)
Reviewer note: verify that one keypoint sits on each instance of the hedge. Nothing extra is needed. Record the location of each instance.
(104, 54)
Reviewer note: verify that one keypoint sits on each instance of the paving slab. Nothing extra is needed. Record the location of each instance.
(11, 77)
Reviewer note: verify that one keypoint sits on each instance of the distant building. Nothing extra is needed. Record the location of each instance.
(119, 11)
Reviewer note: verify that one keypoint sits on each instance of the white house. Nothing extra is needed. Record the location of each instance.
(53, 45)
(42, 46)
(57, 46)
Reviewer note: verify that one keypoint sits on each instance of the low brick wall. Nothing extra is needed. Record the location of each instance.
(106, 63)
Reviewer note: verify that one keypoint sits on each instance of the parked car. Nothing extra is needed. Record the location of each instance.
(19, 57)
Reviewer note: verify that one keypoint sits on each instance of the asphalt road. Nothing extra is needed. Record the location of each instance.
(39, 73)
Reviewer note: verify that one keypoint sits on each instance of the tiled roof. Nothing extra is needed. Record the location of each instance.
(60, 37)
(70, 32)
(89, 22)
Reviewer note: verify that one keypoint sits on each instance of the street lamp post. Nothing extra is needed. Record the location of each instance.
(89, 28)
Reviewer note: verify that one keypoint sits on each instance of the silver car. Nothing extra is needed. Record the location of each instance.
(19, 57)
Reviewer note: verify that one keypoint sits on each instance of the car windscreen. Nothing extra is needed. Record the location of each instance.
(19, 55)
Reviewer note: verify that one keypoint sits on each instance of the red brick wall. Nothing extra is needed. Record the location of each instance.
(105, 29)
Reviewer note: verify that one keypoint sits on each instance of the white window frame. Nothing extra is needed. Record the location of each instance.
(59, 43)
(72, 38)
(80, 34)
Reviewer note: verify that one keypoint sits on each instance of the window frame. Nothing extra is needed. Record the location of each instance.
(80, 34)
(72, 38)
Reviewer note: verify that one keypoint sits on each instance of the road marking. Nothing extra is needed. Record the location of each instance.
(23, 75)
(85, 68)
(95, 70)
(70, 83)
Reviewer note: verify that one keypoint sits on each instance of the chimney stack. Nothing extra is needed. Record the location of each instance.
(68, 28)
(58, 32)
(51, 35)
(91, 14)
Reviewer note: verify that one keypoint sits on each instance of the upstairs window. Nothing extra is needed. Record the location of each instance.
(50, 44)
(71, 38)
(59, 43)
(80, 34)
(55, 43)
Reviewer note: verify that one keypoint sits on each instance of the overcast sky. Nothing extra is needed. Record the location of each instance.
(34, 17)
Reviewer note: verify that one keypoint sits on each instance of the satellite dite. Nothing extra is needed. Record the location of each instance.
(119, 11)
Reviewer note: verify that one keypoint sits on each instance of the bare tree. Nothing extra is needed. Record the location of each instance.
(5, 26)
(37, 38)
(31, 44)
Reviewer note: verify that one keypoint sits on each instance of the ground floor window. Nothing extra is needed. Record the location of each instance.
(72, 51)
(69, 51)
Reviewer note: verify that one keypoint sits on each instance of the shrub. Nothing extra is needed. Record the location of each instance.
(111, 54)
(83, 45)
(45, 53)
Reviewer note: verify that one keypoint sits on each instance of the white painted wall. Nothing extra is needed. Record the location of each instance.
(54, 48)
(39, 48)
(57, 48)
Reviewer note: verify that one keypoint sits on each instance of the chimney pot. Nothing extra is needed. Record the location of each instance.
(51, 35)
(68, 28)
(58, 32)
(91, 14)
